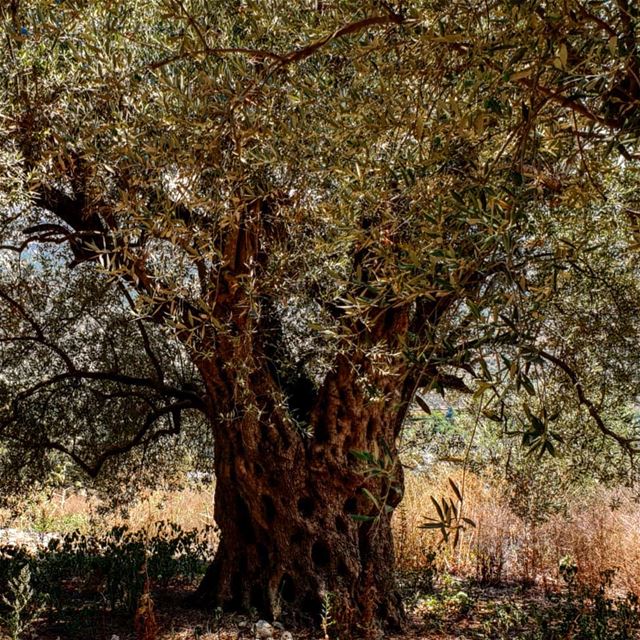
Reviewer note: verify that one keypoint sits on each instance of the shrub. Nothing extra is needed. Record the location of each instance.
(112, 567)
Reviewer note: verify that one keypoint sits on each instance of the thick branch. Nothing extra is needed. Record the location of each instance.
(39, 337)
(94, 240)
(349, 29)
(145, 336)
(574, 105)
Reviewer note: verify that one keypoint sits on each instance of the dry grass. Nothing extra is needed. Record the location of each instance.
(601, 531)
(64, 512)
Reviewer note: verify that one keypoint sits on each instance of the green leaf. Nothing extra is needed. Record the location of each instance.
(371, 497)
(438, 509)
(364, 456)
(456, 489)
(527, 384)
(422, 404)
(361, 518)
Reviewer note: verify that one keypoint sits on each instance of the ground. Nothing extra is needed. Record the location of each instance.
(456, 609)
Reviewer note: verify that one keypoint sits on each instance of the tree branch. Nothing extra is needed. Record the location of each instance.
(625, 443)
(307, 51)
(145, 336)
(149, 383)
(93, 470)
(572, 104)
(40, 337)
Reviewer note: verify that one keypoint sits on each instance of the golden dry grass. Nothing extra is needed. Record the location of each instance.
(63, 512)
(600, 531)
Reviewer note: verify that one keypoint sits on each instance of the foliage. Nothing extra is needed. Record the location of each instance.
(21, 603)
(449, 603)
(112, 568)
(450, 518)
(580, 613)
(63, 312)
(378, 190)
(599, 527)
(592, 614)
(537, 487)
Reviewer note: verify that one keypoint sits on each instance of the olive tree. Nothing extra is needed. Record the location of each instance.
(76, 366)
(329, 207)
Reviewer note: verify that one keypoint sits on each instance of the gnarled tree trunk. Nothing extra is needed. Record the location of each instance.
(305, 518)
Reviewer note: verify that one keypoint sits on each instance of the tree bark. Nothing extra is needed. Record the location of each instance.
(305, 520)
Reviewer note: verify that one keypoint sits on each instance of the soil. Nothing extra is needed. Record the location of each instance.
(175, 621)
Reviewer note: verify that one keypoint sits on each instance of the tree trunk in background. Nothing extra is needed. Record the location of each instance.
(305, 520)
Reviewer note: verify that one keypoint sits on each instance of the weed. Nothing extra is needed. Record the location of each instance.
(145, 622)
(326, 620)
(506, 620)
(23, 607)
(591, 614)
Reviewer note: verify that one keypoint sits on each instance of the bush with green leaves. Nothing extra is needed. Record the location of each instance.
(111, 568)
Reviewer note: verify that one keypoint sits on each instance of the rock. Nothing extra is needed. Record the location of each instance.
(264, 630)
(278, 625)
(31, 541)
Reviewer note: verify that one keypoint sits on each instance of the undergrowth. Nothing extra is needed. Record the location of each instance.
(110, 573)
(578, 611)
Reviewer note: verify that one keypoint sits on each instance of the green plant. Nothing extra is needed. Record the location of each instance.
(420, 580)
(326, 619)
(585, 612)
(447, 604)
(505, 620)
(22, 604)
(568, 569)
(450, 519)
(597, 616)
(111, 569)
(461, 601)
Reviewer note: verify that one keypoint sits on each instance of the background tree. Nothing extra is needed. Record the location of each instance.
(329, 206)
(89, 382)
